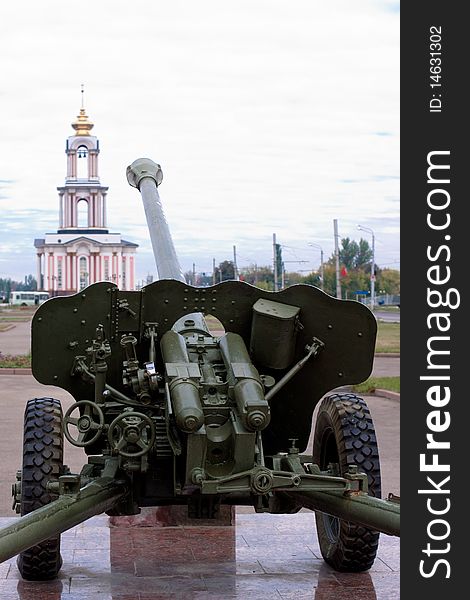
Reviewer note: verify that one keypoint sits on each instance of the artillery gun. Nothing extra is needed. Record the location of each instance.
(170, 414)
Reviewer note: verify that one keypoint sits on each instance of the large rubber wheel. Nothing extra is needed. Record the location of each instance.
(345, 435)
(42, 462)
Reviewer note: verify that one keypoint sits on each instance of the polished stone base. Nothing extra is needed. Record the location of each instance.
(172, 516)
(262, 557)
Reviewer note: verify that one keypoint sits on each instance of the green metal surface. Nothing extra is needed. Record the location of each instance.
(373, 513)
(66, 327)
(60, 515)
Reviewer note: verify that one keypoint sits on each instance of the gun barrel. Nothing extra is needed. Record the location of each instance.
(60, 515)
(146, 176)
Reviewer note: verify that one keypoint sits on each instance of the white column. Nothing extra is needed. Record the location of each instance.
(131, 273)
(98, 210)
(118, 271)
(104, 210)
(38, 270)
(61, 210)
(67, 271)
(72, 210)
(54, 272)
(72, 272)
(69, 166)
(73, 165)
(68, 210)
(95, 211)
(90, 211)
(124, 272)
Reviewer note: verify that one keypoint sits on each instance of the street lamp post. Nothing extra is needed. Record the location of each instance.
(321, 262)
(372, 268)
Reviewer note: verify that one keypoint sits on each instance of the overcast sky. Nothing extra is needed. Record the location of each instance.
(266, 116)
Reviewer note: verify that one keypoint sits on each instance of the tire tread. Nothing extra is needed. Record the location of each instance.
(42, 462)
(356, 548)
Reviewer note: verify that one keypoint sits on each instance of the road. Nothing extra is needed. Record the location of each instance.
(386, 366)
(16, 340)
(388, 317)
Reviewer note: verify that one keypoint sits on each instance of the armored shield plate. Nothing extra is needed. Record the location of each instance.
(64, 327)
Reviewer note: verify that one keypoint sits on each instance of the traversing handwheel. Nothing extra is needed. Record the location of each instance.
(89, 423)
(131, 430)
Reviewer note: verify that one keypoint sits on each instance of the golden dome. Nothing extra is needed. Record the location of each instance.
(82, 125)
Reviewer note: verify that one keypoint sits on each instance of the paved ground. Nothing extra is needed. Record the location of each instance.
(15, 391)
(16, 340)
(386, 366)
(264, 557)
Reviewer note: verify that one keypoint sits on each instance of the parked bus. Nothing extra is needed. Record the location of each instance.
(28, 298)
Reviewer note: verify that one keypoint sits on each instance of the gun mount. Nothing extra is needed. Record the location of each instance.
(169, 413)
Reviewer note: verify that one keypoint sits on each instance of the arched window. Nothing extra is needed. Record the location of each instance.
(82, 213)
(82, 162)
(83, 272)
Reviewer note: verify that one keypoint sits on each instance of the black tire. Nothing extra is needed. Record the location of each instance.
(42, 462)
(345, 435)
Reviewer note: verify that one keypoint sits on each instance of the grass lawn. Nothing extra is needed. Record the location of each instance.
(384, 383)
(388, 337)
(14, 319)
(15, 362)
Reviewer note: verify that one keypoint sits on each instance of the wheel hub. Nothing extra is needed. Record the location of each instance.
(84, 424)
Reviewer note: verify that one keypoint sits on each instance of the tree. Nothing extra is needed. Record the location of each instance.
(354, 255)
(355, 263)
(9, 285)
(29, 285)
(329, 278)
(356, 280)
(293, 278)
(364, 255)
(225, 271)
(348, 253)
(388, 281)
(260, 276)
(5, 289)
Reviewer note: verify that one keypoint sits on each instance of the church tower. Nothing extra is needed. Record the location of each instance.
(83, 250)
(82, 198)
